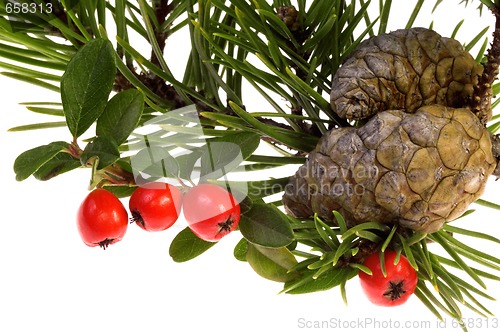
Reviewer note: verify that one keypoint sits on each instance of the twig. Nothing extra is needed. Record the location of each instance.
(161, 9)
(483, 93)
(290, 16)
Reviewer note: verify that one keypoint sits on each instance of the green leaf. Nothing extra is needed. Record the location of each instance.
(31, 80)
(454, 264)
(488, 204)
(428, 297)
(102, 148)
(186, 246)
(267, 226)
(121, 115)
(343, 292)
(59, 164)
(46, 110)
(381, 257)
(36, 126)
(307, 284)
(384, 16)
(344, 247)
(476, 39)
(408, 252)
(445, 276)
(371, 225)
(425, 300)
(366, 269)
(220, 155)
(120, 191)
(322, 33)
(246, 141)
(467, 232)
(156, 162)
(287, 137)
(87, 83)
(326, 259)
(326, 233)
(271, 263)
(186, 163)
(240, 250)
(30, 161)
(340, 221)
(245, 205)
(388, 238)
(453, 253)
(456, 243)
(218, 159)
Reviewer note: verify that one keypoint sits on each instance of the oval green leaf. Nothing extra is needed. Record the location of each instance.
(221, 155)
(120, 191)
(247, 142)
(187, 162)
(240, 250)
(59, 164)
(103, 149)
(155, 162)
(267, 226)
(30, 161)
(186, 246)
(271, 263)
(121, 116)
(328, 280)
(218, 159)
(87, 83)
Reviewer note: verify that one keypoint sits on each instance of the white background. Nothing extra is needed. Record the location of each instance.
(50, 281)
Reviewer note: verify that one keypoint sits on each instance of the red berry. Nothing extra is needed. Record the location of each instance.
(155, 207)
(102, 220)
(393, 289)
(211, 211)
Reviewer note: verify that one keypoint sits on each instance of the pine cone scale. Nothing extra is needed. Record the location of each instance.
(423, 179)
(386, 171)
(404, 69)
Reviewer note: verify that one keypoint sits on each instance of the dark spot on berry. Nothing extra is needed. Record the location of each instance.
(105, 243)
(137, 218)
(225, 226)
(396, 289)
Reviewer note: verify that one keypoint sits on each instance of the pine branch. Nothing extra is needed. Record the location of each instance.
(483, 91)
(278, 49)
(161, 8)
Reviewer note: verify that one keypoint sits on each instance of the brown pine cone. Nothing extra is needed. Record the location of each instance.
(404, 69)
(418, 170)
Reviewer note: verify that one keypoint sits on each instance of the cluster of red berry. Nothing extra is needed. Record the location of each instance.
(210, 211)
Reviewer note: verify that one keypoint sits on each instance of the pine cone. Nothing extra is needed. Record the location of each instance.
(404, 69)
(418, 170)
